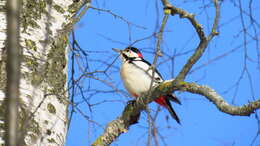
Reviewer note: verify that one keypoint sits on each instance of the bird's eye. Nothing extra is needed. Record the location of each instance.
(127, 50)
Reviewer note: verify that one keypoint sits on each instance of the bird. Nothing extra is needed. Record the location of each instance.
(136, 74)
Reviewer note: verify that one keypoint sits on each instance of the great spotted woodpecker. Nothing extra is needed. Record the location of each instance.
(136, 74)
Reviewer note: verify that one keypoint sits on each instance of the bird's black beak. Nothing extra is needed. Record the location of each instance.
(117, 50)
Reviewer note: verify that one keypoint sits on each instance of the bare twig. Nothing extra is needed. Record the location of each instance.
(158, 47)
(117, 16)
(203, 39)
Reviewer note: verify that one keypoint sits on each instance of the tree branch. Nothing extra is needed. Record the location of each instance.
(199, 29)
(220, 103)
(132, 111)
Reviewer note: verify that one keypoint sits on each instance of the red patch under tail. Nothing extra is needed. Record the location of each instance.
(161, 100)
(164, 101)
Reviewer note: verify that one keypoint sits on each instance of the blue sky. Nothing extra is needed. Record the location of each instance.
(202, 123)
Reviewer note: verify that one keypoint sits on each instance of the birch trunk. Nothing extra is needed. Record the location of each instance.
(43, 102)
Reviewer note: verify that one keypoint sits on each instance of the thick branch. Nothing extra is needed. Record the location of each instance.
(220, 103)
(115, 128)
(210, 94)
(131, 112)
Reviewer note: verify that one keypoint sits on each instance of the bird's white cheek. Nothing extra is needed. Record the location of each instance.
(122, 58)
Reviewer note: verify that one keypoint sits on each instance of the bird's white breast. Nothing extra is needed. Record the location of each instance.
(137, 77)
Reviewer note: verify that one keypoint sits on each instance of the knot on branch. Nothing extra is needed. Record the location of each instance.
(215, 33)
(167, 10)
(131, 113)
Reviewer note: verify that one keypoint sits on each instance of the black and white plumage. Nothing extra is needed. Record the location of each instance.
(136, 74)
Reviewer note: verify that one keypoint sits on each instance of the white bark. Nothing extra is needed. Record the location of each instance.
(43, 95)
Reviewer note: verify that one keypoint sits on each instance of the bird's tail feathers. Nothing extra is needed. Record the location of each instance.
(171, 110)
(165, 102)
(174, 98)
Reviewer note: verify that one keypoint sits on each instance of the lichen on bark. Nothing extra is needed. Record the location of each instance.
(32, 11)
(48, 75)
(2, 72)
(27, 124)
(51, 108)
(43, 70)
(52, 70)
(56, 63)
(58, 8)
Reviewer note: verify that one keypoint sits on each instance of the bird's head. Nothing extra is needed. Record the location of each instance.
(129, 53)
